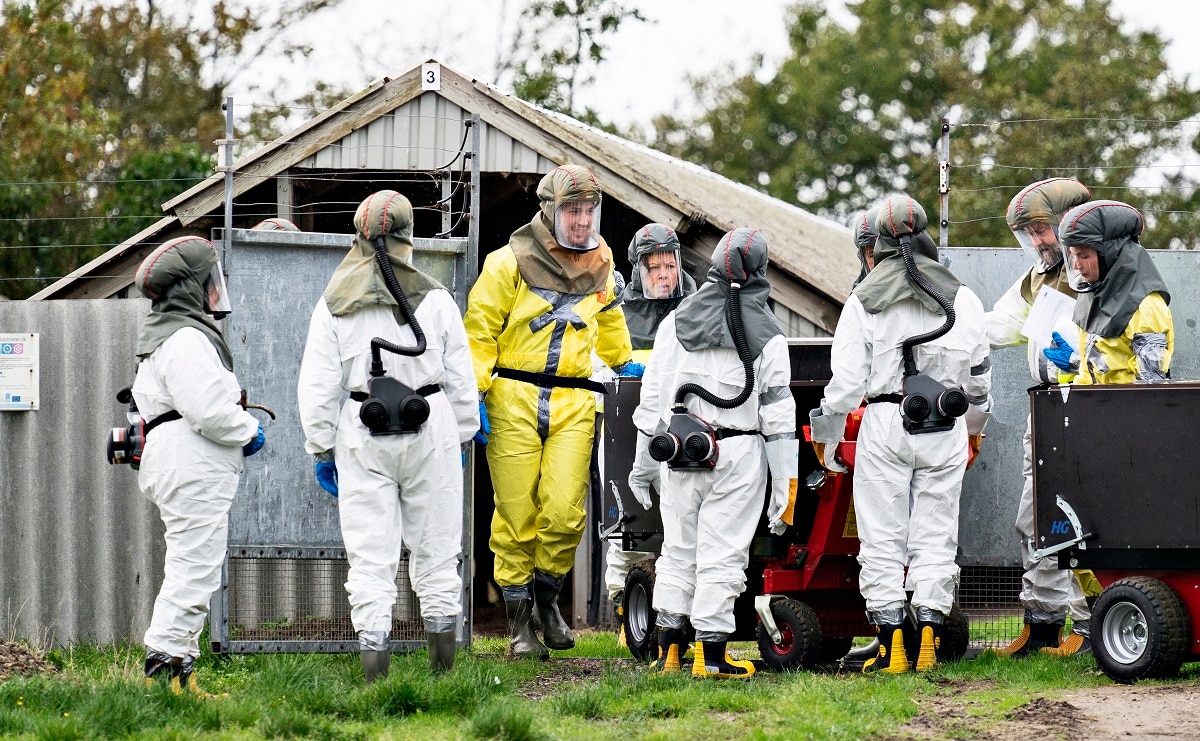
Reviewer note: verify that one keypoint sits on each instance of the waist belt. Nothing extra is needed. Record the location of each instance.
(428, 390)
(723, 433)
(886, 399)
(170, 416)
(549, 380)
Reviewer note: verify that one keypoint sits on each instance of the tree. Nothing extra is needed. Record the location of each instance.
(107, 111)
(1035, 89)
(557, 47)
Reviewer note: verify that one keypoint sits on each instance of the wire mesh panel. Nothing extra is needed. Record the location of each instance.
(293, 599)
(989, 597)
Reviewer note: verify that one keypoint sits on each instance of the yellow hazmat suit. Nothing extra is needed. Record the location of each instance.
(541, 308)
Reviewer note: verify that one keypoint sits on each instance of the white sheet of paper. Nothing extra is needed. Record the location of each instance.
(1049, 310)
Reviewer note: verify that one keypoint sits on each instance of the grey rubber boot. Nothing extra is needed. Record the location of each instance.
(375, 664)
(441, 650)
(555, 631)
(524, 643)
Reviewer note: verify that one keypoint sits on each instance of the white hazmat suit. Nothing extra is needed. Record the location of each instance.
(392, 489)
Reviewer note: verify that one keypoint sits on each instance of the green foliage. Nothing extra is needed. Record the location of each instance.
(505, 721)
(558, 45)
(106, 111)
(1035, 89)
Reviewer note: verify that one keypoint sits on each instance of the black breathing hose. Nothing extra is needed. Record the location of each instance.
(910, 265)
(733, 306)
(393, 286)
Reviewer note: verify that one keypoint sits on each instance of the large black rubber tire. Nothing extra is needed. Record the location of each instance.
(1140, 630)
(640, 631)
(956, 636)
(833, 648)
(800, 647)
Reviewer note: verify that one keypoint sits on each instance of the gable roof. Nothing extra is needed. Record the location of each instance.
(812, 258)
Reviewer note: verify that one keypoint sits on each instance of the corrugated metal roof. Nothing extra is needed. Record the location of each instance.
(393, 124)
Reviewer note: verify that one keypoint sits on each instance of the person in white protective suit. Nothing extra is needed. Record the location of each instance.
(710, 514)
(394, 487)
(906, 485)
(1048, 594)
(654, 290)
(196, 436)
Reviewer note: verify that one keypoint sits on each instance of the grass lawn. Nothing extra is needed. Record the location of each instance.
(592, 692)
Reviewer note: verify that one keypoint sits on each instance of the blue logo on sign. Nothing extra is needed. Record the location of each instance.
(6, 348)
(1059, 527)
(16, 398)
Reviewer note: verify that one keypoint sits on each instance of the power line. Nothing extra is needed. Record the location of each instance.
(1075, 119)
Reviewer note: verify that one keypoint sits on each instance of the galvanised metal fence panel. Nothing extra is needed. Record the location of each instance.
(286, 567)
(81, 549)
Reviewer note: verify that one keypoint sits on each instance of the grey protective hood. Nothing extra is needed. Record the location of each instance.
(172, 277)
(1127, 274)
(865, 235)
(702, 320)
(643, 315)
(889, 283)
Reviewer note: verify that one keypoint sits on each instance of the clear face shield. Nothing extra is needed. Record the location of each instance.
(1084, 267)
(660, 274)
(577, 225)
(216, 296)
(1040, 242)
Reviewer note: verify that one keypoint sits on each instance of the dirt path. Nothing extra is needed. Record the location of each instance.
(1097, 714)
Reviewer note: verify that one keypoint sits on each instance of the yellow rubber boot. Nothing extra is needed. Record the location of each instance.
(622, 641)
(892, 657)
(713, 661)
(1076, 644)
(1033, 637)
(931, 640)
(670, 651)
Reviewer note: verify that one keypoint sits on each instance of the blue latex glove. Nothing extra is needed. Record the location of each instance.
(1060, 353)
(326, 472)
(255, 443)
(485, 425)
(631, 370)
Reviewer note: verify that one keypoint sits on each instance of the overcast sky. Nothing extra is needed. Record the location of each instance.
(647, 63)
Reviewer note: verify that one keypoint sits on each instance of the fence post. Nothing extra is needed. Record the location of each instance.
(944, 183)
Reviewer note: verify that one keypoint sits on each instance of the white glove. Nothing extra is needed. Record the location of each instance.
(783, 460)
(977, 417)
(646, 472)
(827, 431)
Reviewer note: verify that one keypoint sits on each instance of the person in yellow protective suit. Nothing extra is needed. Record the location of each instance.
(1126, 331)
(541, 306)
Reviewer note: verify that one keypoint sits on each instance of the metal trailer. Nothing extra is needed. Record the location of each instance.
(801, 603)
(1115, 491)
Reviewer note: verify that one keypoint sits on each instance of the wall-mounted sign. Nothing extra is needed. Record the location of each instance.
(19, 360)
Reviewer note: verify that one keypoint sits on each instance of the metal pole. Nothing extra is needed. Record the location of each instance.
(473, 224)
(944, 182)
(227, 166)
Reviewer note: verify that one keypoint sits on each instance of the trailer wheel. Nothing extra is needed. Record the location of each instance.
(1140, 630)
(800, 646)
(641, 633)
(956, 636)
(833, 648)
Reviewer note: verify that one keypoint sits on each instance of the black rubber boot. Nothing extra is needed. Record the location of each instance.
(713, 661)
(523, 642)
(441, 651)
(160, 665)
(892, 658)
(1033, 638)
(672, 645)
(929, 637)
(375, 664)
(555, 631)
